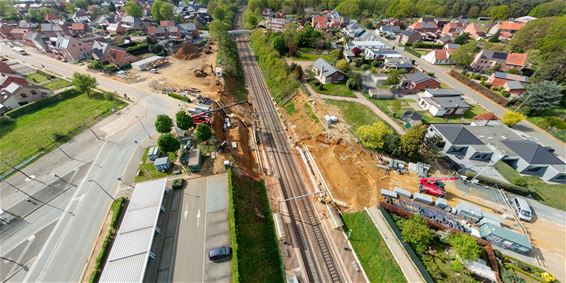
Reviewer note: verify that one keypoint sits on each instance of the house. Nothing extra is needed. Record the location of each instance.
(326, 73)
(130, 22)
(506, 29)
(486, 59)
(366, 44)
(515, 88)
(397, 64)
(156, 31)
(319, 22)
(443, 102)
(37, 40)
(389, 29)
(499, 79)
(188, 29)
(118, 57)
(505, 238)
(116, 28)
(475, 31)
(366, 36)
(81, 16)
(420, 26)
(418, 81)
(278, 24)
(474, 146)
(78, 28)
(438, 57)
(50, 17)
(5, 68)
(103, 21)
(5, 31)
(380, 54)
(524, 19)
(408, 36)
(353, 30)
(19, 33)
(16, 91)
(162, 164)
(515, 61)
(72, 49)
(453, 28)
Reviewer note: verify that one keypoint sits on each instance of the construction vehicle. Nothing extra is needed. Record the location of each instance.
(202, 71)
(434, 186)
(204, 117)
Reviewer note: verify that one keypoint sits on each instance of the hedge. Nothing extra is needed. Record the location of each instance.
(138, 49)
(179, 97)
(425, 45)
(233, 231)
(116, 208)
(413, 51)
(40, 104)
(480, 88)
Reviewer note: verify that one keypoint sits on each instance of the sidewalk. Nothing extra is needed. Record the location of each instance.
(410, 271)
(360, 98)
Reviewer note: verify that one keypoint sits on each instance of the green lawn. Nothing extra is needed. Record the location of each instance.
(552, 194)
(310, 54)
(56, 84)
(37, 77)
(392, 107)
(147, 171)
(334, 89)
(553, 122)
(372, 251)
(258, 256)
(466, 118)
(59, 118)
(354, 113)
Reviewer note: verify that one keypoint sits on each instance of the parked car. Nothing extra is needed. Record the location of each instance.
(523, 209)
(154, 71)
(220, 254)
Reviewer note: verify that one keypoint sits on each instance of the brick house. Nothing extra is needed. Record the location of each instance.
(418, 81)
(326, 73)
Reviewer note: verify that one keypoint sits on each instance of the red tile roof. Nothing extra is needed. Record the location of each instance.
(78, 26)
(474, 30)
(5, 68)
(512, 26)
(440, 54)
(516, 59)
(50, 17)
(319, 22)
(167, 23)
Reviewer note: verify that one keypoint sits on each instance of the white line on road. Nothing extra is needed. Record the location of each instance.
(198, 217)
(186, 211)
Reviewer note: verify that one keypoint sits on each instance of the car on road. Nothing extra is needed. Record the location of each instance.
(219, 254)
(523, 209)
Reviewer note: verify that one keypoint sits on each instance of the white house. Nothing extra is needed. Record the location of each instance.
(442, 102)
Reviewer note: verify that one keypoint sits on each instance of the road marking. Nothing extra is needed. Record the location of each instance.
(186, 211)
(59, 222)
(198, 217)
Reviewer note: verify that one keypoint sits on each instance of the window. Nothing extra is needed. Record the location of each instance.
(33, 92)
(23, 95)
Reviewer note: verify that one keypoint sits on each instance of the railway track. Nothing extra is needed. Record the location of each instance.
(318, 260)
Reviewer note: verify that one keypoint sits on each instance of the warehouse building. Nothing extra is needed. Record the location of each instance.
(505, 238)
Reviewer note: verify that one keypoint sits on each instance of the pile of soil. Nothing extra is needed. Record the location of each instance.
(188, 51)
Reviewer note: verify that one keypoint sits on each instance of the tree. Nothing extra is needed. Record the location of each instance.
(495, 37)
(464, 55)
(355, 82)
(96, 65)
(373, 136)
(511, 118)
(219, 14)
(500, 12)
(552, 69)
(412, 140)
(81, 4)
(549, 9)
(35, 16)
(391, 145)
(184, 121)
(306, 36)
(163, 124)
(343, 66)
(416, 232)
(217, 30)
(291, 36)
(167, 11)
(133, 9)
(462, 38)
(84, 83)
(393, 77)
(431, 147)
(203, 132)
(541, 96)
(356, 51)
(465, 246)
(350, 8)
(168, 143)
(278, 43)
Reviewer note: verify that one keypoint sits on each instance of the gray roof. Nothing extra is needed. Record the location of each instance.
(489, 228)
(129, 255)
(532, 152)
(417, 77)
(411, 115)
(448, 102)
(515, 85)
(494, 55)
(506, 76)
(326, 68)
(161, 161)
(390, 28)
(457, 134)
(443, 92)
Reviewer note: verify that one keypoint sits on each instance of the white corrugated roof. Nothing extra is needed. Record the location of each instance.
(129, 256)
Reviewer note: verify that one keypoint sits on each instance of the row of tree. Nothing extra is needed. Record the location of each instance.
(167, 142)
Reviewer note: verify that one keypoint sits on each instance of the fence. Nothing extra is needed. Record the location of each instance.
(420, 266)
(479, 88)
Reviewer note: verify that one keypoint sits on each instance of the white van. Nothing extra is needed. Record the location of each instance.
(19, 50)
(522, 208)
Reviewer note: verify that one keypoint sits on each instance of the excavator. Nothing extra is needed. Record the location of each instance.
(433, 186)
(203, 117)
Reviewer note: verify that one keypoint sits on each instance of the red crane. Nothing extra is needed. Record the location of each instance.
(434, 186)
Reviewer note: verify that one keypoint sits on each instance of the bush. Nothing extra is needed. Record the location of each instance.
(476, 76)
(365, 67)
(413, 51)
(178, 183)
(108, 96)
(520, 181)
(178, 96)
(375, 64)
(6, 120)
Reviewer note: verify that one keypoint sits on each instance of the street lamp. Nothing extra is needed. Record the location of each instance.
(122, 181)
(143, 126)
(101, 188)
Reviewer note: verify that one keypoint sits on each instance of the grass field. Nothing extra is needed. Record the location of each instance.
(56, 84)
(37, 77)
(334, 89)
(374, 255)
(258, 254)
(553, 194)
(310, 54)
(553, 122)
(57, 118)
(354, 113)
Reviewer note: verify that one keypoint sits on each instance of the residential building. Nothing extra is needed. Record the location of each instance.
(397, 64)
(515, 88)
(474, 146)
(5, 31)
(453, 28)
(486, 59)
(500, 78)
(408, 36)
(388, 29)
(524, 19)
(16, 91)
(366, 44)
(188, 30)
(278, 24)
(353, 30)
(418, 81)
(380, 53)
(326, 73)
(411, 118)
(72, 49)
(319, 22)
(81, 16)
(116, 28)
(443, 102)
(515, 61)
(475, 31)
(420, 26)
(506, 29)
(438, 57)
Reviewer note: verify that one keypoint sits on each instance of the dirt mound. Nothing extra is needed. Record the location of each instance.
(188, 51)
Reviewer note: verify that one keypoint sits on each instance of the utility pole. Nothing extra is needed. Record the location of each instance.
(121, 181)
(143, 127)
(101, 188)
(20, 171)
(58, 147)
(97, 137)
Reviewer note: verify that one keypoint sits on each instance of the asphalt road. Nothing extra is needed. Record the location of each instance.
(524, 128)
(204, 225)
(62, 256)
